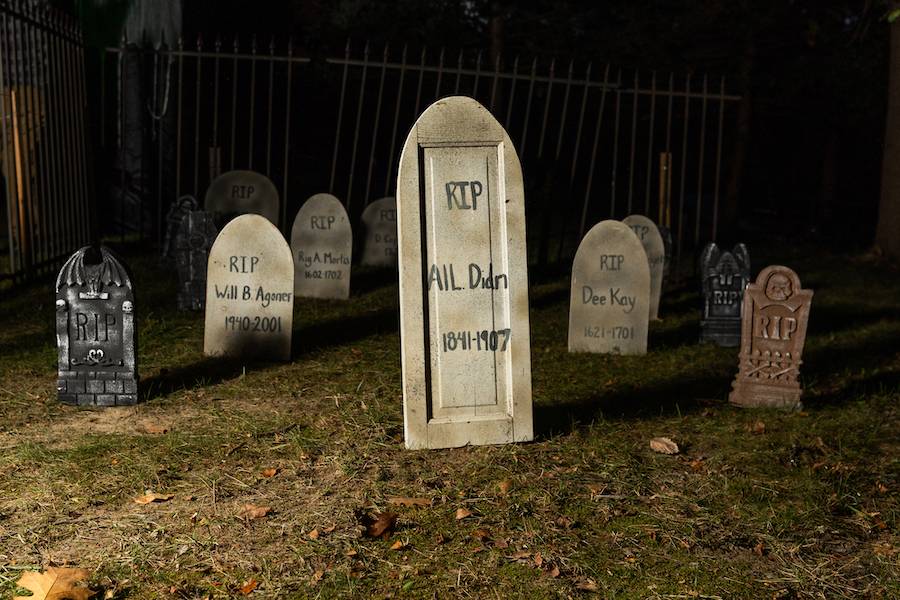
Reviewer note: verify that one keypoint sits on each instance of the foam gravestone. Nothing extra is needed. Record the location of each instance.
(190, 249)
(242, 192)
(465, 342)
(95, 330)
(655, 249)
(177, 211)
(249, 292)
(724, 276)
(321, 242)
(380, 222)
(609, 304)
(773, 330)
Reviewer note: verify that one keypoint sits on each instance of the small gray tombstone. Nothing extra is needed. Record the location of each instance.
(609, 305)
(242, 192)
(380, 222)
(95, 330)
(191, 248)
(666, 234)
(654, 247)
(249, 292)
(724, 277)
(177, 211)
(322, 242)
(465, 341)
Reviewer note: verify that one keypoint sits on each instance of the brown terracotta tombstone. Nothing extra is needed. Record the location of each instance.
(775, 313)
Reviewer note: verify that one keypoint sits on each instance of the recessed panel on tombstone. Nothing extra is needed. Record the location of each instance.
(724, 276)
(610, 296)
(654, 246)
(463, 281)
(321, 242)
(249, 292)
(190, 249)
(243, 192)
(379, 221)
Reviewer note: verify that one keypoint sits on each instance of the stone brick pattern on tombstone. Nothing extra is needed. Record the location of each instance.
(95, 331)
(465, 342)
(193, 241)
(773, 331)
(724, 276)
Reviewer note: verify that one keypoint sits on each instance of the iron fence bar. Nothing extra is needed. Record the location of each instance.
(9, 160)
(362, 93)
(634, 107)
(24, 124)
(34, 180)
(7, 8)
(531, 82)
(178, 118)
(440, 76)
(459, 70)
(684, 142)
(234, 80)
(367, 198)
(156, 117)
(340, 117)
(390, 167)
(76, 78)
(562, 118)
(494, 81)
(715, 218)
(699, 207)
(120, 138)
(215, 117)
(52, 164)
(87, 204)
(68, 115)
(197, 93)
(41, 133)
(615, 156)
(512, 94)
(419, 84)
(477, 75)
(650, 144)
(587, 191)
(269, 113)
(287, 136)
(546, 108)
(161, 110)
(252, 104)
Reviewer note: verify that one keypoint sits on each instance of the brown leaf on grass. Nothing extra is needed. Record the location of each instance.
(520, 556)
(399, 545)
(565, 522)
(538, 560)
(382, 525)
(351, 552)
(248, 586)
(405, 501)
(481, 535)
(504, 486)
(251, 511)
(586, 585)
(462, 513)
(553, 571)
(56, 583)
(149, 497)
(696, 464)
(314, 534)
(317, 577)
(155, 429)
(759, 549)
(329, 529)
(758, 428)
(664, 445)
(271, 472)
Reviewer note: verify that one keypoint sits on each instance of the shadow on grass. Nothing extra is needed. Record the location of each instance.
(336, 332)
(208, 371)
(368, 279)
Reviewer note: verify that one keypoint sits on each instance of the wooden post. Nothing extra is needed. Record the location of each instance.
(665, 189)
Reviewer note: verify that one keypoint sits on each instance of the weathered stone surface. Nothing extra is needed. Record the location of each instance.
(609, 307)
(322, 245)
(242, 192)
(95, 330)
(724, 275)
(191, 246)
(177, 211)
(773, 331)
(463, 283)
(654, 247)
(380, 222)
(249, 292)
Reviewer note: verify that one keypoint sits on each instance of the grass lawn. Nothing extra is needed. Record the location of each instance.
(759, 504)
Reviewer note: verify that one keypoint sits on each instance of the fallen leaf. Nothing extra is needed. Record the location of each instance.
(251, 511)
(505, 486)
(383, 524)
(696, 464)
(462, 513)
(520, 556)
(314, 534)
(149, 497)
(758, 428)
(565, 522)
(157, 429)
(329, 529)
(586, 585)
(553, 571)
(56, 583)
(248, 586)
(538, 560)
(270, 472)
(759, 549)
(502, 544)
(481, 535)
(399, 545)
(317, 576)
(351, 553)
(404, 501)
(664, 445)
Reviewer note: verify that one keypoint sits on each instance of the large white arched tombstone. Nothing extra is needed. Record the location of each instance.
(465, 342)
(609, 307)
(249, 292)
(380, 223)
(242, 192)
(655, 248)
(322, 242)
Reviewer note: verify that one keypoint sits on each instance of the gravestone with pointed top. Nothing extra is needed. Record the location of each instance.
(380, 223)
(610, 298)
(242, 192)
(724, 275)
(95, 330)
(249, 292)
(773, 331)
(654, 246)
(322, 243)
(465, 343)
(191, 247)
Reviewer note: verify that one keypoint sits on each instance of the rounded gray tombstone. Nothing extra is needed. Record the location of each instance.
(242, 192)
(609, 306)
(380, 245)
(655, 248)
(322, 242)
(249, 292)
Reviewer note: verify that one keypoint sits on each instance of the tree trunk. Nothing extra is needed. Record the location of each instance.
(887, 234)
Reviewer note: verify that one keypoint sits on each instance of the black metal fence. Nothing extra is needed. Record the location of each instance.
(44, 153)
(596, 141)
